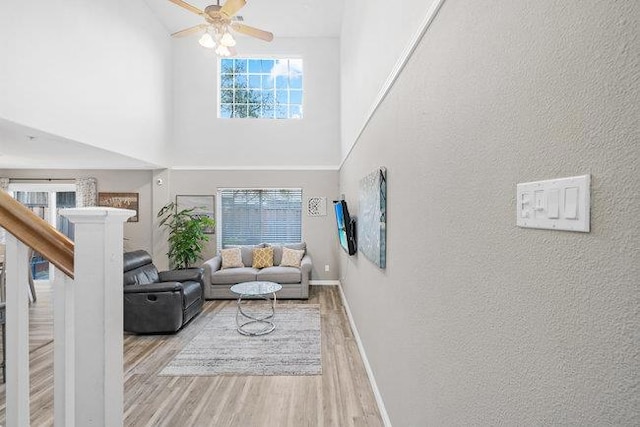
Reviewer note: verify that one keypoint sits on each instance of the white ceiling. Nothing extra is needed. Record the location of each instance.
(26, 148)
(284, 18)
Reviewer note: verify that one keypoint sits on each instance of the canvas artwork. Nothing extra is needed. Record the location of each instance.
(372, 217)
(121, 201)
(201, 205)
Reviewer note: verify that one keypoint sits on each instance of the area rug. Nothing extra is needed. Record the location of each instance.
(293, 348)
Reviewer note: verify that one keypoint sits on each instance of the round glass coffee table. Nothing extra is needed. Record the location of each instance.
(255, 324)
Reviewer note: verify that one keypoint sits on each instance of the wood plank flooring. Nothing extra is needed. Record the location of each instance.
(341, 396)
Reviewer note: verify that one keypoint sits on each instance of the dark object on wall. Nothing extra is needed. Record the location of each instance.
(159, 302)
(346, 227)
(121, 201)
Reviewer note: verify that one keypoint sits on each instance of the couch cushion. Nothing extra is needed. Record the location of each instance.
(232, 276)
(192, 293)
(231, 258)
(134, 259)
(262, 257)
(247, 252)
(291, 257)
(280, 274)
(141, 276)
(277, 250)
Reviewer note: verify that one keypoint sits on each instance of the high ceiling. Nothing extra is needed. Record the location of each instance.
(26, 148)
(23, 147)
(284, 18)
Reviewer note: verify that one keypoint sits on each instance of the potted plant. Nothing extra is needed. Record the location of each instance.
(186, 234)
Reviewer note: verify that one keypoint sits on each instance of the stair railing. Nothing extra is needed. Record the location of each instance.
(87, 313)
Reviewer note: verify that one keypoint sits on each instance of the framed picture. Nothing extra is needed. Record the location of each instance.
(372, 219)
(201, 205)
(120, 200)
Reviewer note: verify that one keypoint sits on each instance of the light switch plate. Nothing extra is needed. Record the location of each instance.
(555, 204)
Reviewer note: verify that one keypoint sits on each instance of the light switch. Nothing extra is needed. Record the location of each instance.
(524, 205)
(571, 202)
(538, 203)
(553, 204)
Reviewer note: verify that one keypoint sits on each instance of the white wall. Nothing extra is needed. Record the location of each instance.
(200, 139)
(96, 72)
(374, 35)
(476, 321)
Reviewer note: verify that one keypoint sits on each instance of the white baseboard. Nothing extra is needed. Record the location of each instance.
(367, 366)
(324, 282)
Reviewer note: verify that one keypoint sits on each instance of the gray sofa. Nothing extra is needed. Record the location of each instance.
(294, 281)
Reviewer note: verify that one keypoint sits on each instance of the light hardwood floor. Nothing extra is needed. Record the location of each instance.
(341, 396)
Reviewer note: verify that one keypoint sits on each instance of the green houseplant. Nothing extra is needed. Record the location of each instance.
(186, 234)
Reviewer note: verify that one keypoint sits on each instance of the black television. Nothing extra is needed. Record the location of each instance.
(346, 227)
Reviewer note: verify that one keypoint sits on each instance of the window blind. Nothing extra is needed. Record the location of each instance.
(252, 216)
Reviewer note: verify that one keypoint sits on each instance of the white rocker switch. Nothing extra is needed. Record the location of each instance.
(553, 204)
(571, 203)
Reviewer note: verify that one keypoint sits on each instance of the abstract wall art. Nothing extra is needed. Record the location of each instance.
(201, 205)
(372, 217)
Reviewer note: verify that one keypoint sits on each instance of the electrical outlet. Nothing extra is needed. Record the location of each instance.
(326, 267)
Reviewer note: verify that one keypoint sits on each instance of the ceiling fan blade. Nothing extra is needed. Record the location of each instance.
(187, 6)
(189, 31)
(231, 7)
(253, 32)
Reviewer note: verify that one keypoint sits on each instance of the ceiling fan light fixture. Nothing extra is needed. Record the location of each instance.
(223, 50)
(207, 41)
(227, 40)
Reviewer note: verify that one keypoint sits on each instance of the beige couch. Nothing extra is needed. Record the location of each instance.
(294, 281)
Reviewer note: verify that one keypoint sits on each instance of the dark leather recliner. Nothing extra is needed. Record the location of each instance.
(159, 302)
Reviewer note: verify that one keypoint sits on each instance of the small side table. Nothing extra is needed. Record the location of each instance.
(256, 290)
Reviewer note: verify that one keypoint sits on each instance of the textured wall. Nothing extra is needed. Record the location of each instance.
(476, 321)
(374, 33)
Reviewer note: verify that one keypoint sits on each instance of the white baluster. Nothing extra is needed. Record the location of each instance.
(17, 400)
(63, 350)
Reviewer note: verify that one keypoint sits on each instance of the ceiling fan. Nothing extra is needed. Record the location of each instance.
(218, 21)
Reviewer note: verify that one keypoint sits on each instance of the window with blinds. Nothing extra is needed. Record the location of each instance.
(252, 216)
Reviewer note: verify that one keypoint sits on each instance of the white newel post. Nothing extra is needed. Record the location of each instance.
(17, 354)
(97, 379)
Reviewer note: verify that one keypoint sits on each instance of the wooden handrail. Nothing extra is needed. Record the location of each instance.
(36, 233)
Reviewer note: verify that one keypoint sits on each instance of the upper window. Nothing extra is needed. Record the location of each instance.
(260, 88)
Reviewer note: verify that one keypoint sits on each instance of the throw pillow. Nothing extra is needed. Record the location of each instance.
(231, 258)
(262, 257)
(291, 257)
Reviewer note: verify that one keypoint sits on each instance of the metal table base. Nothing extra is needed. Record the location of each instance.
(241, 314)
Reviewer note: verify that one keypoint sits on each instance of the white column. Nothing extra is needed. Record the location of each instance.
(97, 316)
(161, 195)
(17, 400)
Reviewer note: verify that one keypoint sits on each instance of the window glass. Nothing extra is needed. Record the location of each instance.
(252, 216)
(261, 88)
